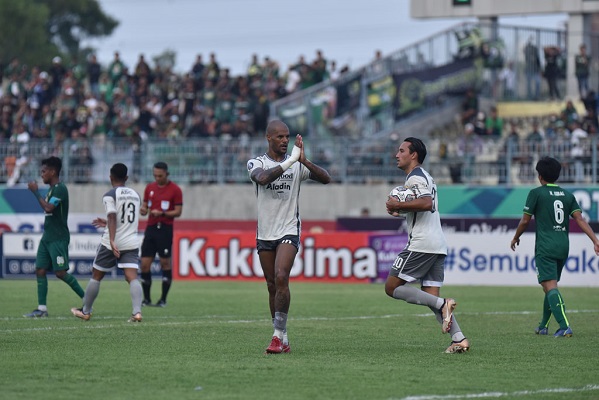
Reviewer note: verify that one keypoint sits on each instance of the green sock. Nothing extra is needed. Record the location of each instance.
(42, 290)
(546, 313)
(72, 282)
(558, 308)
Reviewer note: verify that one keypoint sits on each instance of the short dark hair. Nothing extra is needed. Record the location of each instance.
(119, 171)
(161, 165)
(54, 163)
(549, 169)
(417, 145)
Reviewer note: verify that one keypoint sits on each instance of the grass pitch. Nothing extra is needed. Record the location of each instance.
(348, 342)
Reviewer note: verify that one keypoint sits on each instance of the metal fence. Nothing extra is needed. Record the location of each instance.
(204, 161)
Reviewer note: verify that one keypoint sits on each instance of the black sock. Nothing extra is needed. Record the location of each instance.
(146, 284)
(167, 277)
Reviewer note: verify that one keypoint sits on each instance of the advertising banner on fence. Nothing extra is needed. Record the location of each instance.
(19, 251)
(34, 222)
(486, 259)
(417, 89)
(322, 257)
(482, 258)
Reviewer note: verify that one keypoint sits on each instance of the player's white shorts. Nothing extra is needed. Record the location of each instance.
(412, 266)
(106, 261)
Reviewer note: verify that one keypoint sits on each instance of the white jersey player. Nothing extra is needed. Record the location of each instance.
(278, 201)
(125, 203)
(119, 245)
(423, 259)
(277, 178)
(424, 228)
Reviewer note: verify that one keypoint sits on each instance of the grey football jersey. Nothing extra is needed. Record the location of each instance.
(125, 203)
(424, 227)
(278, 201)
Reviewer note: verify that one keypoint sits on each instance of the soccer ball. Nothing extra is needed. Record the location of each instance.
(402, 193)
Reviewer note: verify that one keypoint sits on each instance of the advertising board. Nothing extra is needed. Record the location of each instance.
(481, 258)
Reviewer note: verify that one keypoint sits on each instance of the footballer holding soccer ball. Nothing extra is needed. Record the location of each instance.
(423, 259)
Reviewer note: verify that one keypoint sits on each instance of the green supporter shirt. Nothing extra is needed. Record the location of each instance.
(55, 224)
(551, 207)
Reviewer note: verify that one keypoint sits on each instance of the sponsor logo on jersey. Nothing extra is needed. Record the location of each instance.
(278, 186)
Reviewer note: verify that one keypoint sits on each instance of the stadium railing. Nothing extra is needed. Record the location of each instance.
(218, 161)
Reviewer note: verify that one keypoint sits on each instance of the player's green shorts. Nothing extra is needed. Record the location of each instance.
(549, 269)
(53, 256)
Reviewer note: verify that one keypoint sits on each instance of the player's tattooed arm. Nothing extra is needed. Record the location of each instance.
(265, 176)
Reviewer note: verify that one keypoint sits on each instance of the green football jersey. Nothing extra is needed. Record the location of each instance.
(55, 223)
(551, 207)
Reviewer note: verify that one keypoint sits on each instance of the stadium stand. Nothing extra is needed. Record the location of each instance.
(206, 123)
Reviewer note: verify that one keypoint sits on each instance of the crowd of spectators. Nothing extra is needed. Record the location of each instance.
(567, 134)
(90, 100)
(74, 99)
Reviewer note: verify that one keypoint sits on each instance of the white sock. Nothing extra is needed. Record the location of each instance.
(278, 333)
(42, 307)
(285, 338)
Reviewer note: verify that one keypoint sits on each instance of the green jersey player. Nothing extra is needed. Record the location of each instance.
(53, 250)
(551, 205)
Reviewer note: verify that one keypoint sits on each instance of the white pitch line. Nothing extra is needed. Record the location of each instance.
(216, 319)
(487, 395)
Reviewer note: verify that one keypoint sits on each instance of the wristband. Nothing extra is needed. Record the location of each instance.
(164, 213)
(295, 153)
(287, 163)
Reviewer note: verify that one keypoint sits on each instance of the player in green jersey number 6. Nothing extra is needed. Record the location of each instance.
(551, 205)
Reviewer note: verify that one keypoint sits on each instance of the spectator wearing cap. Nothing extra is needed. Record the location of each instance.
(57, 73)
(42, 91)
